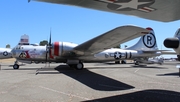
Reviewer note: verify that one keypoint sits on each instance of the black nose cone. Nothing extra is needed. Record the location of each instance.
(171, 43)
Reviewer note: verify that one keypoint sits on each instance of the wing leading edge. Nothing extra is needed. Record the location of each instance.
(110, 39)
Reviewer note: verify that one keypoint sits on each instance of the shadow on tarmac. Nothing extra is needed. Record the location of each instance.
(91, 79)
(169, 74)
(146, 66)
(86, 77)
(142, 96)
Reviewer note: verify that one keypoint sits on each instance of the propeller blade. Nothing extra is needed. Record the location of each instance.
(46, 52)
(50, 39)
(50, 45)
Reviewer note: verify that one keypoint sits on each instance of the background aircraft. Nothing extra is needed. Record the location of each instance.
(174, 43)
(74, 55)
(5, 53)
(160, 10)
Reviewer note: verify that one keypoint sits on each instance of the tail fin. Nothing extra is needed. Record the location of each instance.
(146, 42)
(174, 41)
(24, 40)
(177, 34)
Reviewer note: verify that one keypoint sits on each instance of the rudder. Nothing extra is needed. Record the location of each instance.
(146, 42)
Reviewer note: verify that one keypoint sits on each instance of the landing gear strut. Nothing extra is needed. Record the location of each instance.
(16, 65)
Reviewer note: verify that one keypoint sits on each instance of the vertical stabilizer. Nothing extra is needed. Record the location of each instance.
(24, 40)
(173, 42)
(177, 34)
(146, 42)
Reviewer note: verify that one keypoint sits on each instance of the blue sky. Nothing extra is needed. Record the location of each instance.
(68, 23)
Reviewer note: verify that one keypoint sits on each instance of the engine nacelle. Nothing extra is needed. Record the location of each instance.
(171, 43)
(62, 48)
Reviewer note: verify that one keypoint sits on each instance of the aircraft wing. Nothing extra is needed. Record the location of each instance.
(110, 39)
(159, 10)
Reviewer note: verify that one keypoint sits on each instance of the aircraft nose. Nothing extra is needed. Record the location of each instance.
(171, 43)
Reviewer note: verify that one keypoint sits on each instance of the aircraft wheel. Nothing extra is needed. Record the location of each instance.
(79, 66)
(16, 66)
(136, 63)
(37, 62)
(117, 62)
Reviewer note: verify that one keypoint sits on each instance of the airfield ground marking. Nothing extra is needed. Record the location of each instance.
(67, 94)
(136, 70)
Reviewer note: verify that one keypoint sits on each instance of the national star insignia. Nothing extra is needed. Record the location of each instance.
(132, 4)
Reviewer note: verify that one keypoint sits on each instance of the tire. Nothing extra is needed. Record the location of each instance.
(79, 66)
(16, 66)
(37, 62)
(136, 63)
(117, 62)
(123, 62)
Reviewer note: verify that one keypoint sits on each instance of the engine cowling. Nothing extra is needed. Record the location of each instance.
(59, 49)
(171, 43)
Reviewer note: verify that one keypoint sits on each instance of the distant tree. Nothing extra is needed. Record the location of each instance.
(117, 46)
(8, 46)
(43, 43)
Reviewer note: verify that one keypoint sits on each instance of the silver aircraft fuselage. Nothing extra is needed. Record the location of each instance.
(65, 52)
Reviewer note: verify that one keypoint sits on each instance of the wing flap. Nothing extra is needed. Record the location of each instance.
(110, 39)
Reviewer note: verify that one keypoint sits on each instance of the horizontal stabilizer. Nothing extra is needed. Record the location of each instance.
(169, 53)
(162, 52)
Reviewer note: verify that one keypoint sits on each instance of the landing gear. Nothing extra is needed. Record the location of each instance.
(123, 62)
(136, 62)
(78, 66)
(16, 66)
(117, 62)
(37, 62)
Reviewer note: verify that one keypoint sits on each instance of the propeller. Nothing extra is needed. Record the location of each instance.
(48, 47)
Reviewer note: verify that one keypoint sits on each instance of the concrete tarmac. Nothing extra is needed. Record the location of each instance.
(97, 82)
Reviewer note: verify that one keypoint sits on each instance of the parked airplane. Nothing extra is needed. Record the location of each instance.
(159, 10)
(174, 43)
(74, 55)
(5, 53)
